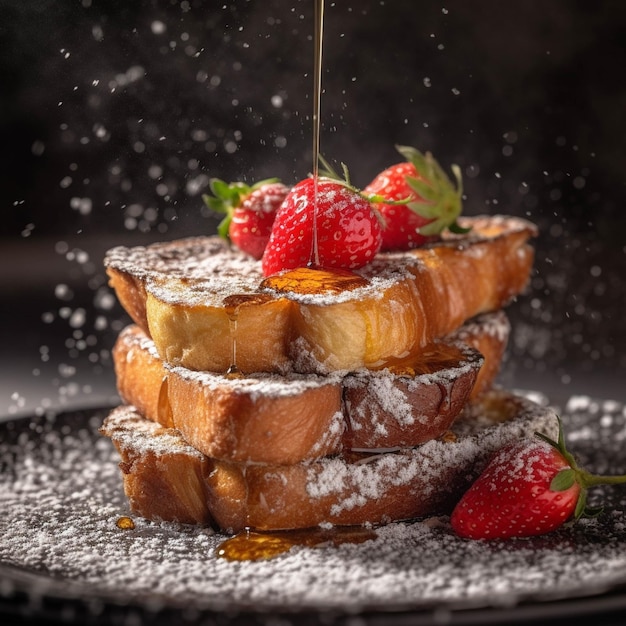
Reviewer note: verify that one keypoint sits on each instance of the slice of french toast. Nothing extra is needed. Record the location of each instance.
(416, 398)
(207, 307)
(267, 418)
(283, 419)
(165, 478)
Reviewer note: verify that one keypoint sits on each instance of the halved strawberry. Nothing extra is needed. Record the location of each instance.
(426, 200)
(249, 211)
(528, 488)
(325, 223)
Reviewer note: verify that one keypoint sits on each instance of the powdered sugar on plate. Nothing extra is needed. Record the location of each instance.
(61, 495)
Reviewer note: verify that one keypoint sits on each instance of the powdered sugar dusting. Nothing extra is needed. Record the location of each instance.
(496, 324)
(388, 395)
(205, 270)
(200, 270)
(60, 496)
(259, 385)
(423, 465)
(146, 436)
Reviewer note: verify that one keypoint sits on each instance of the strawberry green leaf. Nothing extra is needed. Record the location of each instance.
(423, 189)
(328, 172)
(560, 445)
(581, 505)
(457, 229)
(567, 477)
(213, 203)
(223, 228)
(219, 187)
(592, 511)
(346, 174)
(414, 156)
(441, 198)
(563, 480)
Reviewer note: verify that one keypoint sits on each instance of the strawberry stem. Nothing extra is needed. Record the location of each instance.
(591, 480)
(575, 474)
(327, 172)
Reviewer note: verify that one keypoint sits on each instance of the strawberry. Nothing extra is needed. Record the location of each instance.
(337, 229)
(426, 201)
(528, 488)
(250, 211)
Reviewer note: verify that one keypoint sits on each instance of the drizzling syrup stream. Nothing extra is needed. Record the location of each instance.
(314, 261)
(233, 306)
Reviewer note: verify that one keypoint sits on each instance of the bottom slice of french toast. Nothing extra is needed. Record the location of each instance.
(167, 479)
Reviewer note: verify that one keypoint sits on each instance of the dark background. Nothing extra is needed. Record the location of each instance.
(114, 115)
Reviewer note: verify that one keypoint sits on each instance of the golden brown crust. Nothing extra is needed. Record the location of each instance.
(131, 292)
(167, 485)
(227, 422)
(492, 344)
(481, 276)
(357, 489)
(366, 433)
(204, 338)
(407, 300)
(404, 405)
(141, 377)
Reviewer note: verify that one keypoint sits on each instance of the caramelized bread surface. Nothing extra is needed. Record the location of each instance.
(203, 302)
(165, 478)
(265, 418)
(283, 419)
(416, 398)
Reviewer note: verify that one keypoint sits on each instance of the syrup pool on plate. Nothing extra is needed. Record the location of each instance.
(250, 545)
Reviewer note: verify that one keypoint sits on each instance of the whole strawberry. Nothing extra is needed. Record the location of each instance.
(528, 488)
(250, 211)
(327, 225)
(430, 204)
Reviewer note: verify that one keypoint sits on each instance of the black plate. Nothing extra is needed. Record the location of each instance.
(63, 558)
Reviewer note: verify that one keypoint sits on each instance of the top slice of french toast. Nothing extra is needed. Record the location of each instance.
(208, 307)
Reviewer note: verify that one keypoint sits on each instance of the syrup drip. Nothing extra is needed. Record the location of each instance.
(427, 360)
(233, 371)
(309, 281)
(232, 307)
(249, 545)
(164, 409)
(314, 260)
(125, 523)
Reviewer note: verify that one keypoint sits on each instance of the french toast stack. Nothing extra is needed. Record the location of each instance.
(310, 397)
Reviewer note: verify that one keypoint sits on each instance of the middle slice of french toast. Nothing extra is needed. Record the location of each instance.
(284, 419)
